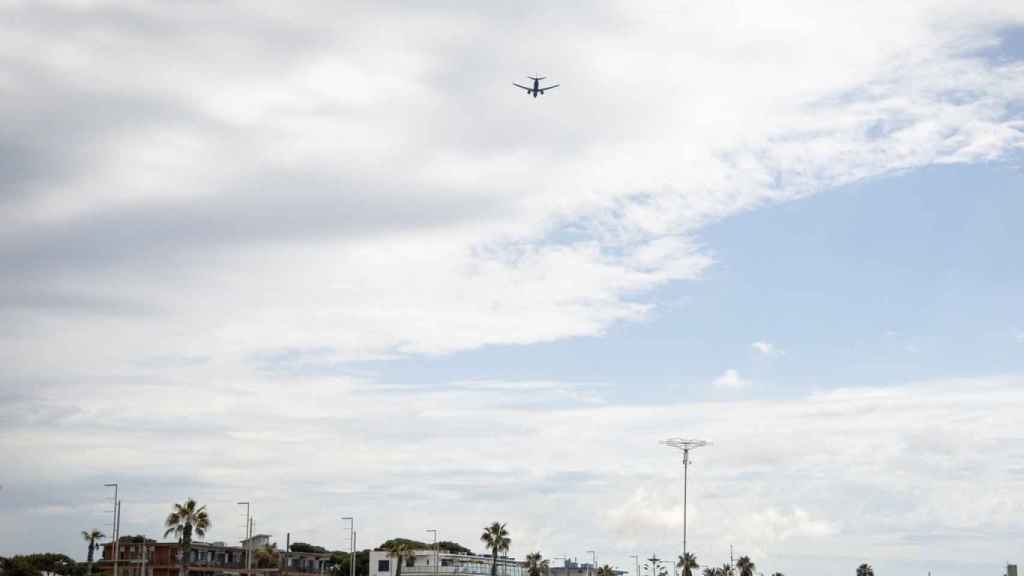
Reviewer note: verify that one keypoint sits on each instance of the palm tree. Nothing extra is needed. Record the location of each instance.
(687, 563)
(535, 564)
(726, 570)
(496, 539)
(606, 570)
(400, 551)
(265, 556)
(91, 537)
(745, 566)
(183, 520)
(865, 570)
(778, 574)
(709, 571)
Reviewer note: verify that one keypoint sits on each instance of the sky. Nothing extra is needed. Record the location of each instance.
(327, 259)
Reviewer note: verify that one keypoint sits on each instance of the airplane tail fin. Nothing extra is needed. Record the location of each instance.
(536, 77)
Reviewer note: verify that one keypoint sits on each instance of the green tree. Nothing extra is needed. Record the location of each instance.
(535, 564)
(303, 547)
(606, 570)
(400, 551)
(745, 566)
(778, 574)
(453, 547)
(865, 570)
(184, 520)
(687, 563)
(266, 556)
(496, 539)
(91, 536)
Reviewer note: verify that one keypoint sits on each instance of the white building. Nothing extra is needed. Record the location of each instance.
(422, 563)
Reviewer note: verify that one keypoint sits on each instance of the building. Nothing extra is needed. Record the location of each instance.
(1011, 570)
(424, 563)
(208, 559)
(572, 568)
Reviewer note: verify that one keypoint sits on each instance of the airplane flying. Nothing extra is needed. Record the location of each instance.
(536, 86)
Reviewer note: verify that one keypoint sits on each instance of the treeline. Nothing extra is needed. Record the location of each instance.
(36, 564)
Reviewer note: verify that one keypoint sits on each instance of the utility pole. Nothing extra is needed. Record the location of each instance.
(685, 444)
(593, 562)
(637, 558)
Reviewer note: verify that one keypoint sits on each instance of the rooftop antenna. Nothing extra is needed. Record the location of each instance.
(685, 444)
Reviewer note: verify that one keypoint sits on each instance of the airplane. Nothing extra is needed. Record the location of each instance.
(536, 86)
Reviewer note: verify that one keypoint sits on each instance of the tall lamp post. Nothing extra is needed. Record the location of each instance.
(654, 563)
(636, 557)
(593, 562)
(352, 545)
(115, 537)
(248, 536)
(435, 549)
(685, 445)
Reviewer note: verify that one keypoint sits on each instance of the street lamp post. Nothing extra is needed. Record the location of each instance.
(593, 562)
(685, 445)
(435, 550)
(115, 540)
(654, 562)
(352, 545)
(636, 557)
(248, 536)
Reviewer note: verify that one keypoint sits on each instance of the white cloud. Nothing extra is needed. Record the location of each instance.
(220, 172)
(238, 201)
(885, 470)
(730, 379)
(766, 348)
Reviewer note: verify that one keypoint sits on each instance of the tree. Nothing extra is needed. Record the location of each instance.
(400, 551)
(183, 520)
(865, 570)
(535, 564)
(453, 547)
(303, 547)
(687, 563)
(495, 539)
(91, 537)
(778, 574)
(745, 566)
(606, 570)
(265, 556)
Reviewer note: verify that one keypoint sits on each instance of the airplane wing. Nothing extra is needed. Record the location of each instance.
(523, 87)
(550, 87)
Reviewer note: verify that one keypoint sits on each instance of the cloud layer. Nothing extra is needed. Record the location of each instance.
(209, 212)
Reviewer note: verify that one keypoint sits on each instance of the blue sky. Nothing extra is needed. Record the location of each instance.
(326, 260)
(909, 276)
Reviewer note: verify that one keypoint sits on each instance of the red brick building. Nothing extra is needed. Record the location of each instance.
(207, 559)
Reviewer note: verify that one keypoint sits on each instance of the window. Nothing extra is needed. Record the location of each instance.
(410, 561)
(383, 566)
